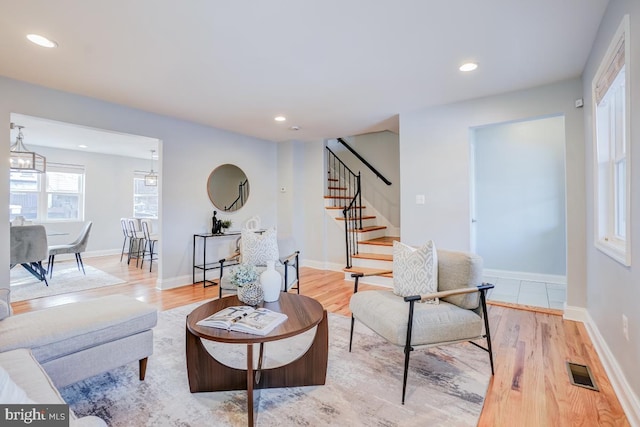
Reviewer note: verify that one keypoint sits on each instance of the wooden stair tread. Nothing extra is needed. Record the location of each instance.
(341, 218)
(337, 188)
(378, 257)
(372, 228)
(333, 179)
(339, 207)
(338, 197)
(380, 241)
(366, 270)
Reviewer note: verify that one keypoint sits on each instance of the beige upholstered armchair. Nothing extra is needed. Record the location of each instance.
(258, 247)
(415, 321)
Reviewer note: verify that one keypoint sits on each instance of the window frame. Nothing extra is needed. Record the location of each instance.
(42, 211)
(140, 177)
(606, 183)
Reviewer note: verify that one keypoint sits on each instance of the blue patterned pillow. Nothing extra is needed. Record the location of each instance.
(415, 271)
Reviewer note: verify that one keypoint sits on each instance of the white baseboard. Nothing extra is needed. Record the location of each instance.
(321, 265)
(628, 399)
(578, 314)
(174, 282)
(523, 275)
(89, 254)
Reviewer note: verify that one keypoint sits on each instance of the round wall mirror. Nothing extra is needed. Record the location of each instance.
(228, 188)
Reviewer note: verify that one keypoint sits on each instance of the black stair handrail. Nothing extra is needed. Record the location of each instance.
(243, 188)
(344, 185)
(363, 160)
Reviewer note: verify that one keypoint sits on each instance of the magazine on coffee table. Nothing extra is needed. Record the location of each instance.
(257, 321)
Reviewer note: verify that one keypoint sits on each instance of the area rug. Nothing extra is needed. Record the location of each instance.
(446, 386)
(66, 278)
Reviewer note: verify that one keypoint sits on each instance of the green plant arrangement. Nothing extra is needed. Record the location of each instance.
(243, 274)
(225, 223)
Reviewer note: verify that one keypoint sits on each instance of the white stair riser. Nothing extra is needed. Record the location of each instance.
(372, 263)
(375, 249)
(372, 280)
(374, 234)
(365, 222)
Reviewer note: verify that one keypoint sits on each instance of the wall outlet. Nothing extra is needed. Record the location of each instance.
(420, 199)
(625, 327)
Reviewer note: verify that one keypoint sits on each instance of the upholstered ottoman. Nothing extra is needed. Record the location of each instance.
(81, 339)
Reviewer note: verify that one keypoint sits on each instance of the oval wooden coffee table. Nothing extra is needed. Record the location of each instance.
(208, 374)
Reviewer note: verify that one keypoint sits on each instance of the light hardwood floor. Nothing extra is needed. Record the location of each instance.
(530, 387)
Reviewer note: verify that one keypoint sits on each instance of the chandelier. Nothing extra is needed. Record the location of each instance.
(21, 159)
(151, 179)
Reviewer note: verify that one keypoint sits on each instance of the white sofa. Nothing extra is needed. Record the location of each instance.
(75, 341)
(27, 383)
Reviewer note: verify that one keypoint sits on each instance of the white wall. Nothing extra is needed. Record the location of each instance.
(301, 208)
(520, 196)
(434, 159)
(612, 289)
(108, 196)
(188, 153)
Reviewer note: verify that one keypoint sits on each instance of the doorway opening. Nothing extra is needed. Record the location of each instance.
(93, 175)
(518, 209)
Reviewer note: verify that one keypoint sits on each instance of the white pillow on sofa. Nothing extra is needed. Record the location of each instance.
(10, 392)
(415, 271)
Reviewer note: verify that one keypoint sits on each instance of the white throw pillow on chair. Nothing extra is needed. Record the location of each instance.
(257, 248)
(415, 271)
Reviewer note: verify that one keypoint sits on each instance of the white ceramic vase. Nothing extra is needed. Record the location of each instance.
(271, 282)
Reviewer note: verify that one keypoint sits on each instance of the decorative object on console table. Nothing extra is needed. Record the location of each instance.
(216, 224)
(271, 282)
(224, 225)
(253, 223)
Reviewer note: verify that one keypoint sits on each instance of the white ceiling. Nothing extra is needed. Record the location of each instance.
(333, 67)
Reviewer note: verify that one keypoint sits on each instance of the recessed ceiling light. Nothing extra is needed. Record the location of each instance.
(279, 118)
(468, 66)
(82, 146)
(41, 40)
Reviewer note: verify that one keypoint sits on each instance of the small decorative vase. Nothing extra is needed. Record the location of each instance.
(271, 282)
(251, 293)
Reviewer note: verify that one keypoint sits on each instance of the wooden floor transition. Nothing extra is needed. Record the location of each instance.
(530, 388)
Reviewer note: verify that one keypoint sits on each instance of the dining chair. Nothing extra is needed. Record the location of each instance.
(76, 247)
(150, 241)
(28, 247)
(136, 241)
(125, 232)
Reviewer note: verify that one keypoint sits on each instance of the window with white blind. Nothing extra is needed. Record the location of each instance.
(145, 198)
(57, 195)
(611, 149)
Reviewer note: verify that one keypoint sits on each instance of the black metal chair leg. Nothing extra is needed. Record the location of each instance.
(79, 261)
(407, 353)
(351, 333)
(50, 265)
(483, 301)
(43, 273)
(407, 345)
(152, 246)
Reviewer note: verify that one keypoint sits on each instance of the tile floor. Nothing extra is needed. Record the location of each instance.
(527, 292)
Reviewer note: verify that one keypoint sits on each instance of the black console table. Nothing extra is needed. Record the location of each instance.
(204, 265)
